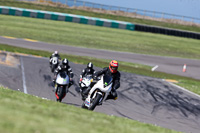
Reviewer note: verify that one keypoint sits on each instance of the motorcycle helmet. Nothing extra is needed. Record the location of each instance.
(56, 53)
(90, 66)
(113, 66)
(65, 62)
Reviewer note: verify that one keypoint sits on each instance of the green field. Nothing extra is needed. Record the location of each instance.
(14, 3)
(88, 36)
(23, 113)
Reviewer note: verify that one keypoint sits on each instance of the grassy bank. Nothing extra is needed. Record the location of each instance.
(188, 83)
(98, 37)
(100, 15)
(23, 113)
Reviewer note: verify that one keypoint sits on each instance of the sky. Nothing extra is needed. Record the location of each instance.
(189, 8)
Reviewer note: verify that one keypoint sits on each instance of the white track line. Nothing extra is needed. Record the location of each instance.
(184, 89)
(23, 76)
(154, 68)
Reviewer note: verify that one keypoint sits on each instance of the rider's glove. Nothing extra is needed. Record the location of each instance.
(95, 77)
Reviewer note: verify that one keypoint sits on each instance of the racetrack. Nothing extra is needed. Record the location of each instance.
(141, 98)
(165, 64)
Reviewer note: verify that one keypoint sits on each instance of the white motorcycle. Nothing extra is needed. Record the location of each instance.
(61, 85)
(98, 92)
(54, 62)
(85, 83)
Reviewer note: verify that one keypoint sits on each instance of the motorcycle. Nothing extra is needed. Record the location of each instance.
(85, 83)
(61, 85)
(54, 62)
(98, 93)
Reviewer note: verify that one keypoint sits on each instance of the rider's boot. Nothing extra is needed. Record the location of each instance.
(112, 95)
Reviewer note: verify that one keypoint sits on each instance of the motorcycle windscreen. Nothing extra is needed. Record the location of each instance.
(86, 81)
(107, 80)
(62, 78)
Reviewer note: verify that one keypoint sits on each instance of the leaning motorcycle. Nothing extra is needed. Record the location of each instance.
(98, 92)
(61, 85)
(54, 63)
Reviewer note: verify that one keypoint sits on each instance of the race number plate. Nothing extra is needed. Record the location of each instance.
(87, 102)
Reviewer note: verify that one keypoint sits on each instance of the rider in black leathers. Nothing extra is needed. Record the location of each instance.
(64, 67)
(55, 54)
(87, 71)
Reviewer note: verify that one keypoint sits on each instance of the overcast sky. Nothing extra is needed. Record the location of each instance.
(190, 8)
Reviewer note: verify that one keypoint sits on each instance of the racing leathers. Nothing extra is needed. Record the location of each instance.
(51, 57)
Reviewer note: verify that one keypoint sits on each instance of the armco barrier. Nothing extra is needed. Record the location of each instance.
(167, 31)
(66, 17)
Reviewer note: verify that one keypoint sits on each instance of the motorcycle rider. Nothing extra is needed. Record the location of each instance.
(64, 67)
(55, 54)
(112, 71)
(87, 71)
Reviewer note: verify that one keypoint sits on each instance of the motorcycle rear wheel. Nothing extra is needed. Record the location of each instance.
(61, 93)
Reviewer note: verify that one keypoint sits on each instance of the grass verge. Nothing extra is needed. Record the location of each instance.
(88, 36)
(99, 15)
(188, 83)
(23, 113)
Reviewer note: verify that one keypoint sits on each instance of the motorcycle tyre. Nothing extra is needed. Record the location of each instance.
(95, 102)
(83, 106)
(61, 93)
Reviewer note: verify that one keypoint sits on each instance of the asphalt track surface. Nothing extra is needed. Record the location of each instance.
(141, 98)
(165, 64)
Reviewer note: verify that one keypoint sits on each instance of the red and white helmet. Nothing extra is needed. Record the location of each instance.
(113, 66)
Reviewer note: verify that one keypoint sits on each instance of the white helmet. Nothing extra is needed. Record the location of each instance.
(56, 52)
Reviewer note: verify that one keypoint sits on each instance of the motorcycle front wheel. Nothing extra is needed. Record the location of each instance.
(61, 92)
(95, 101)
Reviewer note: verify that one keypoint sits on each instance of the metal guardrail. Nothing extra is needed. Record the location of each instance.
(131, 12)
